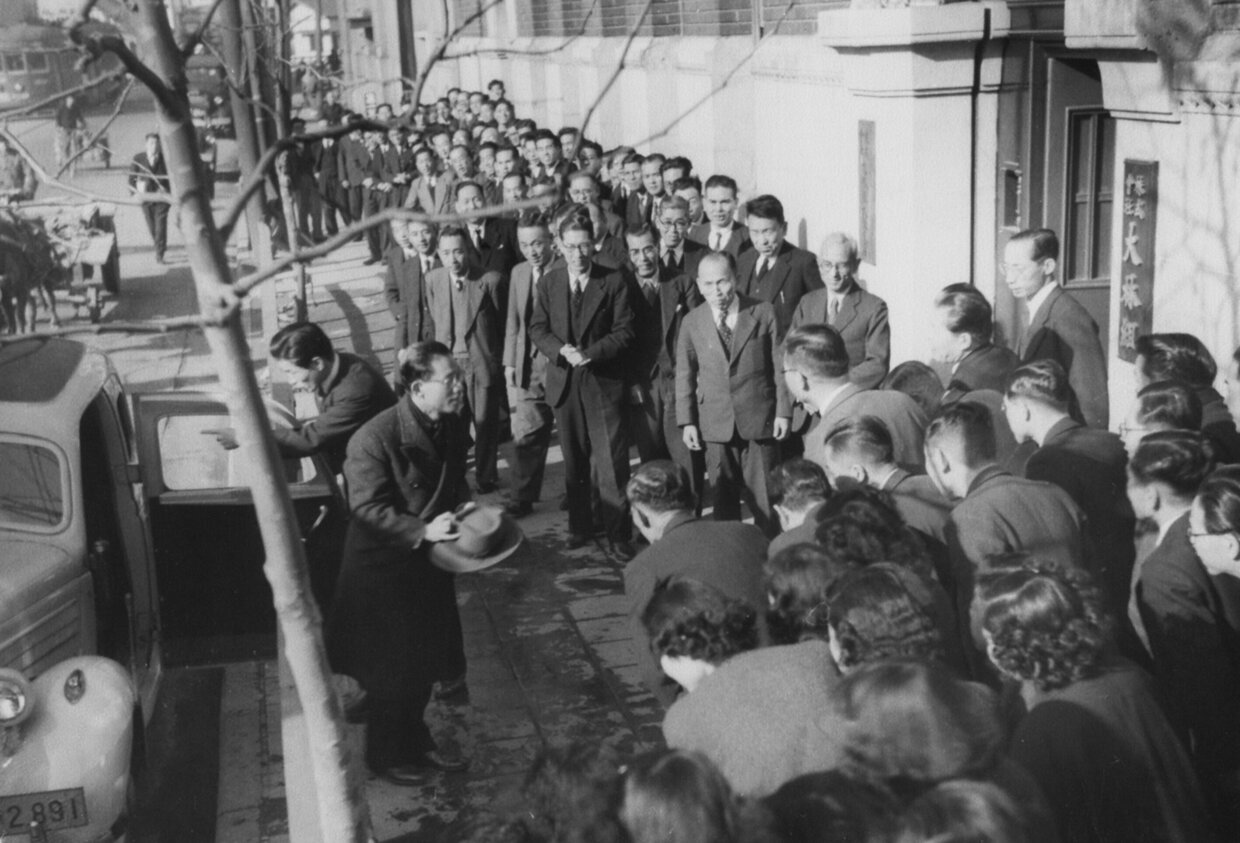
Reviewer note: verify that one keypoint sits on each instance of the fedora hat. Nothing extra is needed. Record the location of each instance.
(487, 535)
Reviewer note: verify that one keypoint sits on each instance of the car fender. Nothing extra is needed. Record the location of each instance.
(79, 734)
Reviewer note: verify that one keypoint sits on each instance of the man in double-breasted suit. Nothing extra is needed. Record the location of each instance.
(430, 192)
(774, 270)
(859, 317)
(467, 308)
(492, 241)
(728, 395)
(394, 625)
(409, 260)
(721, 232)
(525, 367)
(1059, 328)
(816, 374)
(583, 324)
(661, 299)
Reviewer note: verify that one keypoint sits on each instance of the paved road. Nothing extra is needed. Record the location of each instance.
(546, 639)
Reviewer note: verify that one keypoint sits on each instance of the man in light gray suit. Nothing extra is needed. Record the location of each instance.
(525, 368)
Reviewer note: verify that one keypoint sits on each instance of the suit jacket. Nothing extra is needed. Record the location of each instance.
(861, 323)
(1062, 330)
(430, 200)
(984, 367)
(1091, 466)
(691, 255)
(356, 394)
(657, 323)
(725, 554)
(483, 320)
(391, 624)
(384, 165)
(638, 209)
(738, 240)
(904, 419)
(328, 166)
(803, 533)
(794, 274)
(920, 503)
(519, 349)
(405, 288)
(740, 392)
(1192, 625)
(498, 251)
(354, 159)
(605, 333)
(147, 177)
(1001, 514)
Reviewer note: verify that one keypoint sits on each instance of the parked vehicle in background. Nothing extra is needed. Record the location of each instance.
(38, 61)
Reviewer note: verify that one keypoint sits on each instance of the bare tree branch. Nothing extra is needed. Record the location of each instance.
(727, 80)
(550, 51)
(448, 36)
(47, 179)
(154, 326)
(255, 178)
(187, 49)
(235, 87)
(101, 131)
(243, 285)
(98, 45)
(55, 98)
(611, 80)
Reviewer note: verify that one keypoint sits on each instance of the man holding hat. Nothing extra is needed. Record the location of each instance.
(394, 626)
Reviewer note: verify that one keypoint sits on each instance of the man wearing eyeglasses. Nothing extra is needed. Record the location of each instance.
(1059, 328)
(677, 253)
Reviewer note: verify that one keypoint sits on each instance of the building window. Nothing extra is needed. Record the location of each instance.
(1091, 157)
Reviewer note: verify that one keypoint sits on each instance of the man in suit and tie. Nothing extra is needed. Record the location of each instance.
(468, 309)
(677, 253)
(409, 261)
(584, 188)
(525, 367)
(148, 176)
(633, 192)
(430, 192)
(551, 157)
(721, 232)
(1059, 327)
(354, 161)
(995, 513)
(329, 170)
(798, 489)
(774, 270)
(859, 317)
(380, 184)
(1088, 464)
(583, 324)
(491, 241)
(689, 188)
(816, 372)
(728, 395)
(652, 186)
(661, 297)
(964, 329)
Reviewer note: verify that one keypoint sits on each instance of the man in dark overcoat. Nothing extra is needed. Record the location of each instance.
(394, 626)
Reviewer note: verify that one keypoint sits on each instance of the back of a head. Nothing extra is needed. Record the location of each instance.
(687, 617)
(676, 796)
(1046, 623)
(1178, 459)
(797, 581)
(860, 526)
(968, 312)
(797, 484)
(1219, 499)
(919, 382)
(883, 611)
(301, 342)
(831, 806)
(574, 787)
(912, 721)
(1176, 357)
(1169, 405)
(1042, 381)
(661, 486)
(963, 811)
(863, 439)
(966, 430)
(816, 350)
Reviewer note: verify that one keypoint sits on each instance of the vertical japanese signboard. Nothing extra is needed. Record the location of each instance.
(1136, 292)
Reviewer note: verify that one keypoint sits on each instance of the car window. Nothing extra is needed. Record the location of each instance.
(191, 458)
(32, 495)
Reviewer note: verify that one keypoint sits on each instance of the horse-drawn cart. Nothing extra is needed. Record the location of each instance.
(70, 249)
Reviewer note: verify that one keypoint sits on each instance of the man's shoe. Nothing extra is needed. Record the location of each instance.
(370, 261)
(576, 541)
(437, 759)
(487, 488)
(623, 551)
(518, 509)
(403, 775)
(446, 689)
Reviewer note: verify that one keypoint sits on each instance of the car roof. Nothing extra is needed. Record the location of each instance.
(48, 381)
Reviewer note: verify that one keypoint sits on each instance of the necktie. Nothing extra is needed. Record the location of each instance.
(535, 277)
(833, 310)
(578, 295)
(725, 333)
(476, 235)
(716, 241)
(763, 268)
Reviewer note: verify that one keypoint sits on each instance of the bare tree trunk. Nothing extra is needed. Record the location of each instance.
(243, 114)
(342, 808)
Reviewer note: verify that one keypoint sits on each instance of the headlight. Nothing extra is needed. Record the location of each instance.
(16, 699)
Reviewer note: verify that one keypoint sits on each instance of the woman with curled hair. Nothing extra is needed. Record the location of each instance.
(754, 712)
(681, 797)
(797, 581)
(882, 612)
(1094, 738)
(958, 811)
(911, 725)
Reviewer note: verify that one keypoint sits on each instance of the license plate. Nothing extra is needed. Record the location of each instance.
(51, 809)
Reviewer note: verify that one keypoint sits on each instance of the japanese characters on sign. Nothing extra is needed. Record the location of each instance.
(1136, 292)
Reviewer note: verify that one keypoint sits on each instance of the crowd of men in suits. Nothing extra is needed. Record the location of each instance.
(629, 303)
